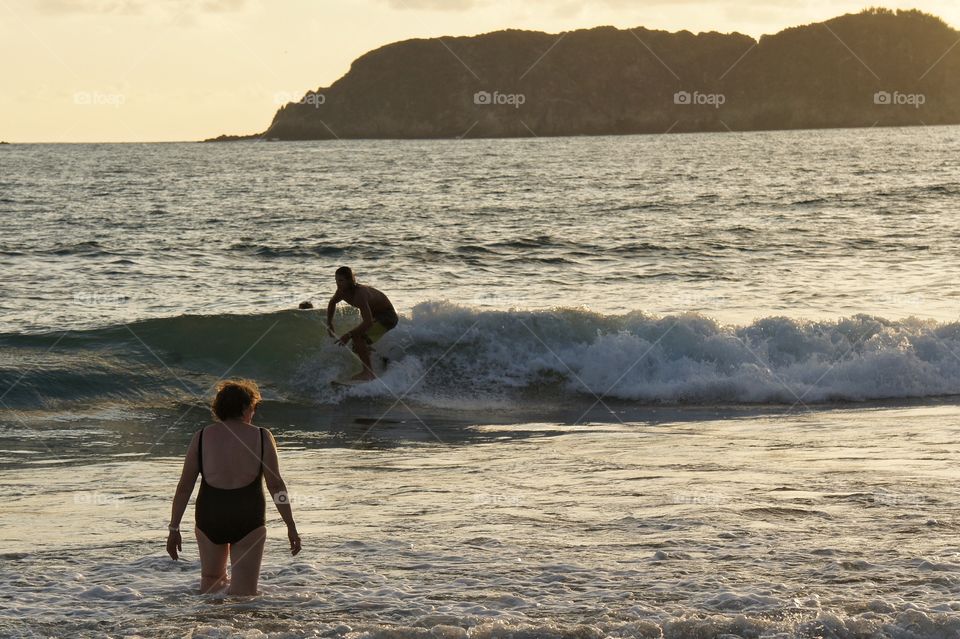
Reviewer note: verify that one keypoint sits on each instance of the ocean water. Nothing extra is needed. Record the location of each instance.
(643, 386)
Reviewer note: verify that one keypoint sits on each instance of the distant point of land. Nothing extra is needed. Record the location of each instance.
(235, 138)
(874, 68)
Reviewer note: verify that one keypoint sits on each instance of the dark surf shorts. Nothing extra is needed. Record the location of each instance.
(382, 322)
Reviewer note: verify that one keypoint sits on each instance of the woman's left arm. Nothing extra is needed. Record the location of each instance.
(188, 479)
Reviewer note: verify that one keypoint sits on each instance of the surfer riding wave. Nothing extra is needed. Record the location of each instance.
(376, 311)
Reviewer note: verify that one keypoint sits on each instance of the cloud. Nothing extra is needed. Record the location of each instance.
(566, 6)
(137, 7)
(437, 5)
(755, 17)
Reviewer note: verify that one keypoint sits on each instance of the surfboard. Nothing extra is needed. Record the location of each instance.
(350, 382)
(370, 421)
(349, 364)
(353, 366)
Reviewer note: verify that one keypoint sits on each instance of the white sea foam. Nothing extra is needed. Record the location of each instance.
(443, 350)
(451, 355)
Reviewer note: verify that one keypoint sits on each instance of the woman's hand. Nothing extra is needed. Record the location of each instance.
(174, 544)
(344, 339)
(294, 541)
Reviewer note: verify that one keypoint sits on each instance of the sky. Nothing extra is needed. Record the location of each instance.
(168, 70)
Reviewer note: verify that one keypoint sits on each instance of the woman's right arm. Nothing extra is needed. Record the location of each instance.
(188, 479)
(278, 491)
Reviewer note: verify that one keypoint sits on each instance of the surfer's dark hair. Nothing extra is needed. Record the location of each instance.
(346, 272)
(234, 397)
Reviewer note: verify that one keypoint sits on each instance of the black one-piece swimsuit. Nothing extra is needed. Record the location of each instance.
(226, 516)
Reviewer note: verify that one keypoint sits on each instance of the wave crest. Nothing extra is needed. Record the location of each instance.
(443, 351)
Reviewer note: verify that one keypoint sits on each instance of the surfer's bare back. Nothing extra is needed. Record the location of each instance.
(376, 311)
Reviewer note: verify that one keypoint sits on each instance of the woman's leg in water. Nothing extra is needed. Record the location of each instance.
(213, 564)
(245, 558)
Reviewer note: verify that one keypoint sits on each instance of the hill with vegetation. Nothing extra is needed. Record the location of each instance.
(875, 68)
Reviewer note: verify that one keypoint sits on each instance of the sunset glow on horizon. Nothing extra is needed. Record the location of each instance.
(129, 70)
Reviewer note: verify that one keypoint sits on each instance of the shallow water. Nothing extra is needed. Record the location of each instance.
(679, 386)
(839, 522)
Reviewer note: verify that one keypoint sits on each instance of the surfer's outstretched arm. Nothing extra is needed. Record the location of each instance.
(278, 490)
(331, 309)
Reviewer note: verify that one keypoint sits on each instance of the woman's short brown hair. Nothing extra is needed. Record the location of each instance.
(234, 397)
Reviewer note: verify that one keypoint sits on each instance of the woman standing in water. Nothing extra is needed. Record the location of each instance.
(230, 508)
